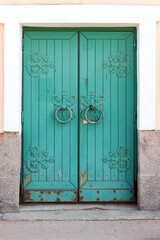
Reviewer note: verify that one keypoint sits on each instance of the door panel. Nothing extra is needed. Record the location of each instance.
(50, 148)
(107, 148)
(70, 81)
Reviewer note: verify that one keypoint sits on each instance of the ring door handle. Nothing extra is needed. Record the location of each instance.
(63, 107)
(93, 107)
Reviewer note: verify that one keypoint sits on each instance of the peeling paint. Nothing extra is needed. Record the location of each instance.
(83, 179)
(50, 196)
(58, 200)
(27, 197)
(26, 179)
(81, 198)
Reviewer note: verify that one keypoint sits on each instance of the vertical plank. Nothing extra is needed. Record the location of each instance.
(42, 110)
(58, 126)
(73, 125)
(106, 132)
(122, 110)
(34, 110)
(91, 128)
(66, 133)
(50, 107)
(114, 112)
(83, 91)
(130, 111)
(99, 90)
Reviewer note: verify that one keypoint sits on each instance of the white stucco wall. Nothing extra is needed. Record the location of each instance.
(143, 17)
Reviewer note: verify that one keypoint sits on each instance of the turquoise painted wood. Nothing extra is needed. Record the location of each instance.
(107, 148)
(69, 80)
(50, 148)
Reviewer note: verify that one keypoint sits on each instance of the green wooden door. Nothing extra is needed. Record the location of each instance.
(50, 148)
(107, 148)
(79, 109)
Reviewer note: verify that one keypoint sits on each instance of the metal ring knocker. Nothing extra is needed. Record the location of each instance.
(63, 107)
(92, 107)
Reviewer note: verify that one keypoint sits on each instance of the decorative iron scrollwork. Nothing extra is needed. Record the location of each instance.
(119, 64)
(37, 64)
(63, 98)
(118, 159)
(35, 158)
(65, 105)
(91, 100)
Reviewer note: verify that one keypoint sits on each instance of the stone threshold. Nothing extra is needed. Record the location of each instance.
(80, 212)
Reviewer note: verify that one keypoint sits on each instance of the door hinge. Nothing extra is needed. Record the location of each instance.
(134, 44)
(22, 116)
(134, 116)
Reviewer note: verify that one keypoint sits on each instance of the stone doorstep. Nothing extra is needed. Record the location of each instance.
(84, 212)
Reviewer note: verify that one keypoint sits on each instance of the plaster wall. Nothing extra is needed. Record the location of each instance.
(130, 2)
(144, 18)
(158, 77)
(1, 77)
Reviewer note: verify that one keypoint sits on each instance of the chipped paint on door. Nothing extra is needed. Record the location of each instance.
(79, 116)
(50, 148)
(107, 147)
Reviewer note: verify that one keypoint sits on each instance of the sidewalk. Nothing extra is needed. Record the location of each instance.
(80, 212)
(80, 230)
(80, 222)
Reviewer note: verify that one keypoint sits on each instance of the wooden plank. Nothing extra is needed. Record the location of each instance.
(106, 185)
(34, 110)
(114, 115)
(106, 35)
(50, 35)
(58, 127)
(50, 110)
(130, 128)
(91, 128)
(83, 130)
(66, 134)
(73, 125)
(106, 196)
(122, 100)
(99, 94)
(107, 113)
(42, 111)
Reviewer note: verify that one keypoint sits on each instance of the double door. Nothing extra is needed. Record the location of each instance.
(79, 116)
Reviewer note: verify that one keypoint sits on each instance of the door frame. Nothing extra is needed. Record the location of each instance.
(84, 29)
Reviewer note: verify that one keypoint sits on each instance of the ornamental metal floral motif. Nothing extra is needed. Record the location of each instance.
(64, 99)
(91, 98)
(35, 158)
(118, 159)
(37, 64)
(118, 64)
